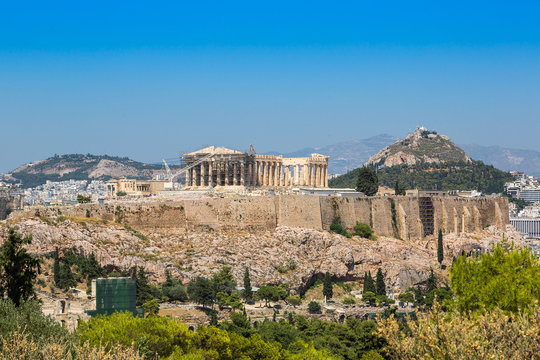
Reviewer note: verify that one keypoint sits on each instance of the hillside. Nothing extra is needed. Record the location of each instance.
(428, 161)
(81, 167)
(421, 146)
(473, 175)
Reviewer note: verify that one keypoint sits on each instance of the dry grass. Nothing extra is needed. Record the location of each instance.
(19, 346)
(452, 336)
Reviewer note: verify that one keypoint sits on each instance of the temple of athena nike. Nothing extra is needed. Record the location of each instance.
(218, 166)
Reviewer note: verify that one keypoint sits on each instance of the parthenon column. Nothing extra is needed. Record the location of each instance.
(287, 175)
(235, 176)
(281, 175)
(188, 177)
(271, 173)
(319, 175)
(325, 176)
(242, 174)
(203, 174)
(264, 177)
(226, 164)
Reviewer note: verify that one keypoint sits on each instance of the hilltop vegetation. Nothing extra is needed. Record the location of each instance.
(473, 175)
(81, 167)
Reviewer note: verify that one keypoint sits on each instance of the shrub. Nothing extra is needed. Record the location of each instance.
(363, 230)
(349, 300)
(455, 335)
(293, 300)
(40, 329)
(314, 307)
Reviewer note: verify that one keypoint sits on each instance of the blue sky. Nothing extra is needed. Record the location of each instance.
(150, 79)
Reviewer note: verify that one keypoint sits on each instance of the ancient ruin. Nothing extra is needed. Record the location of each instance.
(218, 166)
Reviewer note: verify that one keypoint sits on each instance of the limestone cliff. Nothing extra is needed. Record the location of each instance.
(296, 256)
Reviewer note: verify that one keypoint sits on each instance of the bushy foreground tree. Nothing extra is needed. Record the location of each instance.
(18, 268)
(164, 337)
(507, 278)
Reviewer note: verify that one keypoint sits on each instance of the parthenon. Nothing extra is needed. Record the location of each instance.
(218, 166)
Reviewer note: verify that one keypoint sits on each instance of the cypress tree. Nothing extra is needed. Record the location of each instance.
(369, 285)
(431, 282)
(367, 181)
(380, 285)
(56, 268)
(327, 286)
(247, 293)
(440, 249)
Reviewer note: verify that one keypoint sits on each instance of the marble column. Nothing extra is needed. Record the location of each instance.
(276, 177)
(226, 164)
(203, 174)
(281, 175)
(242, 174)
(319, 175)
(188, 177)
(325, 176)
(264, 177)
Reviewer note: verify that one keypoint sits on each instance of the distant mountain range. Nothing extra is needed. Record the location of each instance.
(346, 155)
(506, 159)
(349, 155)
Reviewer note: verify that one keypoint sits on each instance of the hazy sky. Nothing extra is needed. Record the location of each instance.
(150, 79)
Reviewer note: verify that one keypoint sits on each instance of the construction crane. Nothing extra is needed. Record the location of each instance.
(170, 176)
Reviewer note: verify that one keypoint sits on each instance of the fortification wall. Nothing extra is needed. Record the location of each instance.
(389, 216)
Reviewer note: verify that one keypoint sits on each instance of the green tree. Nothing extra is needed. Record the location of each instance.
(406, 297)
(272, 293)
(247, 293)
(200, 291)
(293, 300)
(327, 286)
(56, 268)
(398, 190)
(151, 308)
(223, 281)
(440, 249)
(431, 282)
(369, 285)
(18, 268)
(507, 278)
(144, 293)
(29, 316)
(81, 199)
(367, 181)
(314, 307)
(172, 289)
(380, 288)
(369, 297)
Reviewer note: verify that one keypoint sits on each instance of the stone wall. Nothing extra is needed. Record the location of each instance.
(396, 216)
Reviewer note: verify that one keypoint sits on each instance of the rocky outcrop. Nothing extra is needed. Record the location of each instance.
(421, 146)
(295, 256)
